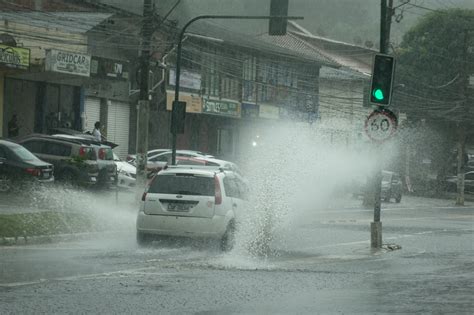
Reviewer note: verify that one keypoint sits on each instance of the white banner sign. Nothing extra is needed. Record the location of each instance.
(68, 62)
(187, 79)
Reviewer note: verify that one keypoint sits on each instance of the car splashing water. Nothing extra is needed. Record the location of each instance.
(294, 173)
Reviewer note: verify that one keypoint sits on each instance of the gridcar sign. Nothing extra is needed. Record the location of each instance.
(68, 62)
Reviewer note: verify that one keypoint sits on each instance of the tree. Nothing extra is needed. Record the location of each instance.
(434, 65)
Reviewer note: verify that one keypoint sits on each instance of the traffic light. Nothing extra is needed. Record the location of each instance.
(277, 26)
(382, 79)
(178, 114)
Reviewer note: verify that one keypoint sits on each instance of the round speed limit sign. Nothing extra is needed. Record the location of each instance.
(381, 125)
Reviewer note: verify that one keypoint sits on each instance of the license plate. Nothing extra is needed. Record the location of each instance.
(178, 207)
(46, 175)
(112, 178)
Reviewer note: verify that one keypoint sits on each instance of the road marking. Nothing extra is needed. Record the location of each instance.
(82, 277)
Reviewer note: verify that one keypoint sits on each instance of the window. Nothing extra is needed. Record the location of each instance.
(166, 157)
(231, 188)
(23, 154)
(34, 146)
(57, 149)
(469, 176)
(183, 184)
(243, 188)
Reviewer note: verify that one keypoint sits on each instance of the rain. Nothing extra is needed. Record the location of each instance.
(200, 157)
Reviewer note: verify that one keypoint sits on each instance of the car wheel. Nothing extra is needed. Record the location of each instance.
(398, 198)
(5, 183)
(68, 176)
(143, 239)
(228, 239)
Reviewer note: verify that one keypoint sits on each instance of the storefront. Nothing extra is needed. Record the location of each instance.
(49, 99)
(12, 60)
(106, 100)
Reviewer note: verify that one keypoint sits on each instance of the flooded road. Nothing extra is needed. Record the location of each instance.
(322, 264)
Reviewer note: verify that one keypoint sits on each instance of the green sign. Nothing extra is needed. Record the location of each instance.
(14, 57)
(223, 108)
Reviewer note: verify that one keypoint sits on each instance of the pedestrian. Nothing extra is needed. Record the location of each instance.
(13, 128)
(96, 132)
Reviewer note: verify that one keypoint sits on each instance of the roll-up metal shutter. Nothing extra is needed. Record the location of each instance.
(118, 126)
(92, 112)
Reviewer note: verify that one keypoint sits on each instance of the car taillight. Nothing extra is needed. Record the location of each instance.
(33, 171)
(102, 154)
(218, 192)
(82, 151)
(144, 196)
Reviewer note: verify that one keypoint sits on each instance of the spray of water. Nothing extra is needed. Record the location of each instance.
(295, 172)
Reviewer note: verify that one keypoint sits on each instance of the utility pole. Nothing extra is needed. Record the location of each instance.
(376, 225)
(144, 101)
(462, 124)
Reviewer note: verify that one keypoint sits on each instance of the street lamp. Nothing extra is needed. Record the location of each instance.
(177, 114)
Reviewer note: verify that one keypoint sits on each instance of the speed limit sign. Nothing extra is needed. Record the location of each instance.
(381, 125)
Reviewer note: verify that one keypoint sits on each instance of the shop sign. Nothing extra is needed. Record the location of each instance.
(68, 62)
(269, 112)
(187, 79)
(193, 101)
(249, 110)
(15, 57)
(110, 69)
(222, 108)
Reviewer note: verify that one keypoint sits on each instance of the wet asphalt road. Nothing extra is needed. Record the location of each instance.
(320, 263)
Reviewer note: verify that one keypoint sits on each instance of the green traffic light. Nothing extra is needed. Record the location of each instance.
(378, 94)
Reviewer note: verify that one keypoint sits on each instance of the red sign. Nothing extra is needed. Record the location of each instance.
(381, 125)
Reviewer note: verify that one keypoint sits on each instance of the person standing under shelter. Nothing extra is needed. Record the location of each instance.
(96, 132)
(13, 128)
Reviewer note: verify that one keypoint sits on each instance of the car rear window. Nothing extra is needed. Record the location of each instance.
(24, 154)
(183, 184)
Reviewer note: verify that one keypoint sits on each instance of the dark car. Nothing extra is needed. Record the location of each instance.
(74, 161)
(18, 165)
(391, 186)
(105, 157)
(452, 181)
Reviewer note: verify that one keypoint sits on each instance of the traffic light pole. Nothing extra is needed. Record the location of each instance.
(376, 225)
(179, 52)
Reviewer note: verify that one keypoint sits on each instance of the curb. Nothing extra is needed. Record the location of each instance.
(57, 238)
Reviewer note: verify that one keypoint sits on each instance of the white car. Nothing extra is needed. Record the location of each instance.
(153, 154)
(212, 161)
(126, 173)
(202, 202)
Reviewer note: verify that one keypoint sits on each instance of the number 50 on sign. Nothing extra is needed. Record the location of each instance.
(381, 125)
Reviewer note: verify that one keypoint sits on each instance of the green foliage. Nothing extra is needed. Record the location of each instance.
(431, 54)
(45, 223)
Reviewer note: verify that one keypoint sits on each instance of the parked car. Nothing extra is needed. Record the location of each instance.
(105, 158)
(452, 182)
(164, 155)
(74, 161)
(391, 186)
(188, 201)
(127, 173)
(18, 165)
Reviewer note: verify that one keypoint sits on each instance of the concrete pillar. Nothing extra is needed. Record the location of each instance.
(2, 90)
(376, 235)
